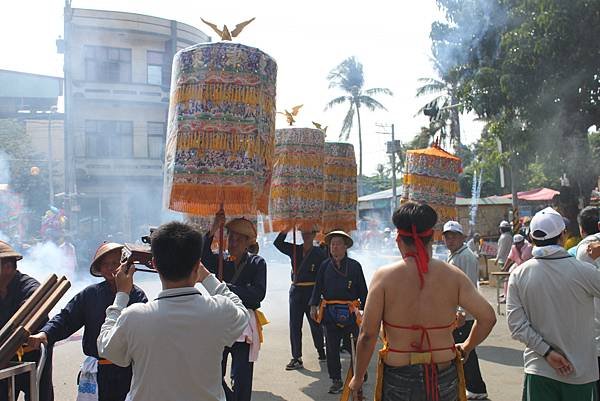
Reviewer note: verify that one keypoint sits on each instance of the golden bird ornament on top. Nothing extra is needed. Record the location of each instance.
(289, 116)
(320, 127)
(224, 33)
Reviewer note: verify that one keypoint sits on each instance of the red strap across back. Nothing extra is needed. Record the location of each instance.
(421, 256)
(424, 345)
(419, 347)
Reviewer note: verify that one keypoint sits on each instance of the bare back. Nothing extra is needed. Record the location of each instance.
(397, 299)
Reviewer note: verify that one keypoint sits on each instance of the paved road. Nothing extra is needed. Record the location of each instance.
(500, 357)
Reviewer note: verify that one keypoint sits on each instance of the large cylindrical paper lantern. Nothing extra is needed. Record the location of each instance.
(221, 126)
(297, 187)
(340, 189)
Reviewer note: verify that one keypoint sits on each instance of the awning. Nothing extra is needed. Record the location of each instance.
(539, 194)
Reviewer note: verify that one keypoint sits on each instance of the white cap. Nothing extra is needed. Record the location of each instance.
(453, 226)
(518, 238)
(547, 223)
(504, 224)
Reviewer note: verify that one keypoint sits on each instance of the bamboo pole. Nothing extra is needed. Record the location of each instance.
(17, 319)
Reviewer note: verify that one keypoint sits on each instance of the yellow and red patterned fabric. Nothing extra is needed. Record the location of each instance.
(297, 186)
(221, 130)
(431, 176)
(340, 188)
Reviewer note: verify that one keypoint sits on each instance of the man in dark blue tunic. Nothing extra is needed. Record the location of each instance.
(88, 309)
(246, 276)
(15, 289)
(339, 294)
(308, 259)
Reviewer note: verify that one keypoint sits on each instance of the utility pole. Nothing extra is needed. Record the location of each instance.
(50, 156)
(392, 148)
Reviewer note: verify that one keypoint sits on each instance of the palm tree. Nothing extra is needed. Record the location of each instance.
(348, 76)
(444, 110)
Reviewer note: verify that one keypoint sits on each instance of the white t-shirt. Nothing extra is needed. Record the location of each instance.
(174, 343)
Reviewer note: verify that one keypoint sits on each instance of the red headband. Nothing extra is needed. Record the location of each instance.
(421, 256)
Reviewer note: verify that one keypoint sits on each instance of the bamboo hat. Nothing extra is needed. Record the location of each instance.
(242, 226)
(7, 251)
(339, 233)
(100, 252)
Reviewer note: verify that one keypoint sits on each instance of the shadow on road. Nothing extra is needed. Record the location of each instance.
(502, 355)
(266, 396)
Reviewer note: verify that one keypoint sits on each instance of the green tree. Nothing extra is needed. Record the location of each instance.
(531, 69)
(444, 109)
(15, 151)
(349, 78)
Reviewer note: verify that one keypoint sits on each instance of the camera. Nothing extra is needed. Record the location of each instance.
(139, 254)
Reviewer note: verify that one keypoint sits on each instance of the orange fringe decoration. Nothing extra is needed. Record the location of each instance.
(220, 92)
(238, 200)
(421, 180)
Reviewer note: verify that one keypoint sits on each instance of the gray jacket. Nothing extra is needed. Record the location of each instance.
(550, 302)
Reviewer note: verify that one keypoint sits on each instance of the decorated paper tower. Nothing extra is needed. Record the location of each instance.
(431, 176)
(221, 130)
(297, 187)
(340, 189)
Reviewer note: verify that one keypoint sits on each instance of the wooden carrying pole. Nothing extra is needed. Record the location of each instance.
(25, 309)
(30, 317)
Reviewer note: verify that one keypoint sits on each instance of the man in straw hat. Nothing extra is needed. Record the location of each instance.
(15, 289)
(246, 276)
(550, 309)
(415, 300)
(174, 342)
(87, 309)
(340, 293)
(307, 259)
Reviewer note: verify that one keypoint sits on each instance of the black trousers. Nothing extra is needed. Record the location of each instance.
(241, 372)
(299, 307)
(334, 335)
(46, 389)
(473, 379)
(408, 383)
(114, 382)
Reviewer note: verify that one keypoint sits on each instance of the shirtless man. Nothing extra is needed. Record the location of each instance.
(416, 301)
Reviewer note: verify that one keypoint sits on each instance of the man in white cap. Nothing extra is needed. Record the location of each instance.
(519, 252)
(462, 257)
(504, 243)
(550, 308)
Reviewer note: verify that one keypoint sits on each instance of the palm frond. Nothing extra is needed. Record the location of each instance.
(348, 123)
(379, 91)
(431, 86)
(369, 103)
(347, 75)
(439, 102)
(338, 100)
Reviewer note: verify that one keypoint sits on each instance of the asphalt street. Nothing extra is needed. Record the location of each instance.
(500, 356)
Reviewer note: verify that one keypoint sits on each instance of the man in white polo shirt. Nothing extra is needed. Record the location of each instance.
(175, 342)
(550, 309)
(462, 257)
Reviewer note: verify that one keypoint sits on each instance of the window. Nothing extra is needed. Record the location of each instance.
(156, 140)
(109, 139)
(156, 68)
(107, 64)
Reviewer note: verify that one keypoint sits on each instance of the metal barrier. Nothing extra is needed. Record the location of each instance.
(18, 368)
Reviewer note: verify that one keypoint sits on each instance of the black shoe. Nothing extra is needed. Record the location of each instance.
(322, 356)
(295, 363)
(336, 387)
